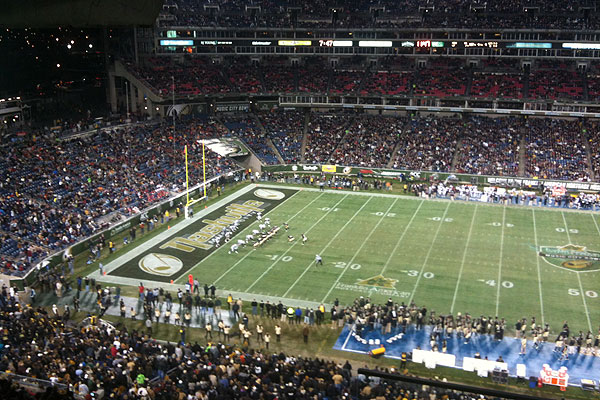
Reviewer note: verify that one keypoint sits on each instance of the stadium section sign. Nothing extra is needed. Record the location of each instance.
(176, 254)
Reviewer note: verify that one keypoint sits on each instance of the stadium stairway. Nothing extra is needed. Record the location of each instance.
(588, 152)
(405, 128)
(267, 135)
(343, 138)
(304, 137)
(584, 82)
(580, 366)
(522, 154)
(456, 155)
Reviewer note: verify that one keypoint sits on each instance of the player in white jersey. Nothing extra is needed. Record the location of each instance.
(262, 227)
(304, 239)
(258, 216)
(249, 238)
(268, 221)
(255, 232)
(227, 236)
(234, 248)
(240, 242)
(318, 260)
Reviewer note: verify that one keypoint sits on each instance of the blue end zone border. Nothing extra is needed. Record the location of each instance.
(579, 366)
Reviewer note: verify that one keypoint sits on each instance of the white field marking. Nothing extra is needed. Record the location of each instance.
(293, 244)
(358, 251)
(347, 338)
(387, 263)
(416, 198)
(428, 254)
(566, 228)
(326, 246)
(587, 312)
(251, 251)
(464, 258)
(500, 260)
(595, 223)
(537, 259)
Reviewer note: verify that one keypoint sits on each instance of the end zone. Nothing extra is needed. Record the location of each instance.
(174, 252)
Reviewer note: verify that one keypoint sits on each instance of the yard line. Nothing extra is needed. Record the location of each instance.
(566, 227)
(499, 282)
(326, 246)
(595, 223)
(464, 258)
(250, 252)
(358, 251)
(387, 263)
(537, 259)
(428, 254)
(587, 312)
(293, 244)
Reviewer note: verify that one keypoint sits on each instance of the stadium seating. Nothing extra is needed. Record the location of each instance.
(383, 13)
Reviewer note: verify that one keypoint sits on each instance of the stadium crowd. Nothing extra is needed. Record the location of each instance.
(439, 78)
(428, 144)
(370, 141)
(555, 149)
(100, 360)
(286, 129)
(490, 147)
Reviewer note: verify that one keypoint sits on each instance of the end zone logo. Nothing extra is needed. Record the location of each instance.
(269, 194)
(160, 264)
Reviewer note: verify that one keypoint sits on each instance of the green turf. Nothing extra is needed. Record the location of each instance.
(449, 256)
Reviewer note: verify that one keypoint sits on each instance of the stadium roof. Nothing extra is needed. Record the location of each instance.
(78, 13)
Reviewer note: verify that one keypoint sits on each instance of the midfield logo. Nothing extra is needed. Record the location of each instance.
(571, 256)
(378, 281)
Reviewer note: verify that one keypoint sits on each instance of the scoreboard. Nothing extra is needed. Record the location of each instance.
(327, 42)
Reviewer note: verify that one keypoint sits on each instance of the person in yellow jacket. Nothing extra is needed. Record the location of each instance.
(229, 301)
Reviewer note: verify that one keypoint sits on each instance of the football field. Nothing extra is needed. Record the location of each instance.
(509, 261)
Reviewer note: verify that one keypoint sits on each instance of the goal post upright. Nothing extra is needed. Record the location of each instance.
(202, 196)
(204, 168)
(187, 178)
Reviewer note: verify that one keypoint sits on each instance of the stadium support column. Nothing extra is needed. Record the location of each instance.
(112, 92)
(132, 98)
